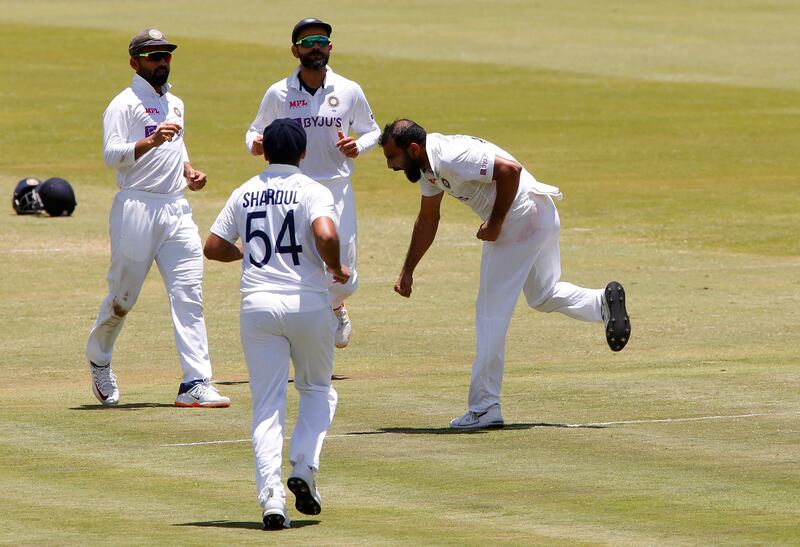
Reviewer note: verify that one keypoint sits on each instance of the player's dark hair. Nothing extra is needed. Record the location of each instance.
(403, 132)
(284, 141)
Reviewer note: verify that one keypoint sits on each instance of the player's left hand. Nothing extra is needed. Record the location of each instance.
(489, 231)
(347, 145)
(195, 179)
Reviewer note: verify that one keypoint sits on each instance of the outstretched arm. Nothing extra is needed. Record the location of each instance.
(421, 239)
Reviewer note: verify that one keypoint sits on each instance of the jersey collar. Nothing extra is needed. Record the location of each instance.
(143, 86)
(294, 79)
(281, 169)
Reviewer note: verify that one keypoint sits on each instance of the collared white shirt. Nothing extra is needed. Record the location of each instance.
(339, 105)
(133, 115)
(272, 213)
(463, 166)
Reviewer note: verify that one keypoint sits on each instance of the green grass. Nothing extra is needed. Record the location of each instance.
(672, 129)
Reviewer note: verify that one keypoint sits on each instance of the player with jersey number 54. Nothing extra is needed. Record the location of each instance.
(289, 241)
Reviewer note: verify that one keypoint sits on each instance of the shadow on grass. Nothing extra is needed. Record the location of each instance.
(126, 406)
(249, 525)
(451, 431)
(334, 377)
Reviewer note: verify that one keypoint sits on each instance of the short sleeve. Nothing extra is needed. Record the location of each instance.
(473, 160)
(225, 225)
(429, 190)
(320, 203)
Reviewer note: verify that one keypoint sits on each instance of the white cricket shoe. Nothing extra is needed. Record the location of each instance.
(274, 513)
(342, 337)
(615, 316)
(490, 418)
(104, 384)
(202, 394)
(303, 485)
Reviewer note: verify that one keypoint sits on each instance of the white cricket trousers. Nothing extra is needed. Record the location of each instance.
(525, 258)
(146, 227)
(344, 204)
(270, 338)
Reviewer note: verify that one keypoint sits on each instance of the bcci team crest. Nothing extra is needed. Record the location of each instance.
(155, 34)
(333, 102)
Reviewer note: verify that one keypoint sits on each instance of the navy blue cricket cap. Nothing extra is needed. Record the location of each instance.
(310, 22)
(284, 141)
(149, 37)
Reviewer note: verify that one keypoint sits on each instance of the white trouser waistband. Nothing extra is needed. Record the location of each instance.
(141, 194)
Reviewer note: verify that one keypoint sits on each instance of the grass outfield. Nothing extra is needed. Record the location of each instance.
(672, 129)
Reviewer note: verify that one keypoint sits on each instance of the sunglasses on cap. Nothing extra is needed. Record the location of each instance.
(311, 41)
(156, 55)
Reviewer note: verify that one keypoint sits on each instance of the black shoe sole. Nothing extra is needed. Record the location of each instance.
(618, 329)
(274, 522)
(304, 501)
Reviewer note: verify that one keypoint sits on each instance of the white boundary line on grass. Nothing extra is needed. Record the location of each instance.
(203, 443)
(695, 419)
(590, 424)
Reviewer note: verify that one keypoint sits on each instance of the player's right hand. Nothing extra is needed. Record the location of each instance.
(340, 274)
(165, 132)
(403, 285)
(257, 149)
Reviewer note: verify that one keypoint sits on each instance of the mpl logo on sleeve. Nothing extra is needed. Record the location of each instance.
(300, 103)
(484, 165)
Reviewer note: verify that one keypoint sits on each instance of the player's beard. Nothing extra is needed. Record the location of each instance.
(157, 77)
(414, 167)
(315, 60)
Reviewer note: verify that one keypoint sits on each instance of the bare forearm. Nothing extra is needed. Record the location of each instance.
(421, 240)
(326, 240)
(506, 192)
(328, 248)
(217, 248)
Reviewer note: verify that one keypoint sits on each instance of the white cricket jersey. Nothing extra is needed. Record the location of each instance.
(272, 213)
(339, 105)
(133, 115)
(463, 166)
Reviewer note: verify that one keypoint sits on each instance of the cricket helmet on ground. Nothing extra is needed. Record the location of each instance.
(26, 199)
(57, 197)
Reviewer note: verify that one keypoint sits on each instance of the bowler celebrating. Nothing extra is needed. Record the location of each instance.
(520, 229)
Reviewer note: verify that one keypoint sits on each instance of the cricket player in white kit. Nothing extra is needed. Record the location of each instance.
(520, 229)
(329, 107)
(150, 220)
(287, 225)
